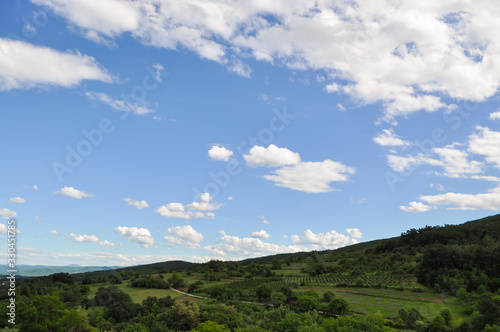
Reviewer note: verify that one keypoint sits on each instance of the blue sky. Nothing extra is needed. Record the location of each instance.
(134, 132)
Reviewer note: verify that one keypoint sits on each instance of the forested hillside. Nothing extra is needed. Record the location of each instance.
(443, 278)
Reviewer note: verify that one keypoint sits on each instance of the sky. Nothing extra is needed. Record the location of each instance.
(134, 132)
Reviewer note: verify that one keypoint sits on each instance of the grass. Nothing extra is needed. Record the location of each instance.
(140, 294)
(388, 303)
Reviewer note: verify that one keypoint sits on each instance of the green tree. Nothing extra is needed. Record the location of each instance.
(307, 302)
(210, 326)
(339, 307)
(176, 281)
(263, 292)
(276, 265)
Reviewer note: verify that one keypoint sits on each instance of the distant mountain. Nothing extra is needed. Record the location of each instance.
(43, 270)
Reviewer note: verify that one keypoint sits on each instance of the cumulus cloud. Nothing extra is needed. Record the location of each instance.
(446, 51)
(247, 246)
(7, 214)
(416, 207)
(24, 66)
(329, 240)
(271, 156)
(354, 232)
(454, 162)
(185, 235)
(460, 201)
(311, 177)
(118, 104)
(17, 200)
(86, 238)
(72, 192)
(219, 153)
(495, 116)
(486, 142)
(194, 210)
(388, 138)
(262, 234)
(141, 236)
(137, 204)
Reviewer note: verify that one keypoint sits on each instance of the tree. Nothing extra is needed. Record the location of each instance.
(307, 302)
(339, 307)
(210, 326)
(276, 264)
(48, 313)
(328, 296)
(446, 315)
(264, 292)
(176, 281)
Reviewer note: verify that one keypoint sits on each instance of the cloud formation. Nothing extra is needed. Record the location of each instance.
(7, 214)
(24, 66)
(17, 200)
(446, 52)
(415, 207)
(141, 236)
(311, 177)
(194, 210)
(118, 104)
(72, 192)
(271, 156)
(185, 235)
(137, 204)
(220, 153)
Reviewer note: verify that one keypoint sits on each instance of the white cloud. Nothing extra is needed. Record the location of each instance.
(486, 201)
(87, 239)
(17, 200)
(193, 210)
(247, 246)
(24, 66)
(265, 222)
(35, 187)
(141, 236)
(311, 177)
(230, 198)
(486, 142)
(72, 192)
(405, 55)
(219, 153)
(329, 240)
(7, 214)
(454, 162)
(185, 235)
(271, 156)
(118, 104)
(495, 116)
(138, 204)
(341, 107)
(94, 17)
(438, 186)
(262, 234)
(354, 232)
(3, 229)
(240, 68)
(388, 138)
(35, 256)
(416, 207)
